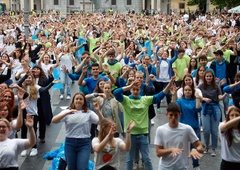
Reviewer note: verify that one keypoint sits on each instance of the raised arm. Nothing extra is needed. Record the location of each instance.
(61, 115)
(80, 80)
(229, 124)
(127, 145)
(31, 141)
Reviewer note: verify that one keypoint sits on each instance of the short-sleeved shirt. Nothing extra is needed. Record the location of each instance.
(179, 137)
(180, 64)
(78, 125)
(232, 153)
(110, 156)
(91, 82)
(9, 151)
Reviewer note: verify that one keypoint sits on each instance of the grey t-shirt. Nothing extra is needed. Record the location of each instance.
(210, 92)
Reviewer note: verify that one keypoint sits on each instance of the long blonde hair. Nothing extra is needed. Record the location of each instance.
(106, 122)
(33, 90)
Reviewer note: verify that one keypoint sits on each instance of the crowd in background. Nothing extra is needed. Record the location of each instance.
(118, 60)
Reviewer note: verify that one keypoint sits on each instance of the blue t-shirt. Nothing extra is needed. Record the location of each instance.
(91, 82)
(189, 112)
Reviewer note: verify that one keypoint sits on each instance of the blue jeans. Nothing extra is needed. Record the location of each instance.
(141, 142)
(66, 82)
(210, 125)
(161, 86)
(77, 152)
(225, 104)
(195, 162)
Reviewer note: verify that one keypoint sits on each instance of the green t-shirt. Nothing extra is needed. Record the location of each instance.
(227, 54)
(180, 64)
(112, 68)
(137, 111)
(92, 43)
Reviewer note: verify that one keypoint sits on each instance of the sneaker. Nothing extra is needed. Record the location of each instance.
(196, 168)
(61, 96)
(158, 111)
(24, 153)
(152, 122)
(135, 166)
(68, 97)
(33, 152)
(213, 154)
(143, 167)
(206, 150)
(42, 140)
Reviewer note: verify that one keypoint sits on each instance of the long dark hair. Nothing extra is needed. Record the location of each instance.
(85, 105)
(190, 66)
(97, 88)
(186, 76)
(193, 91)
(213, 83)
(229, 132)
(42, 75)
(197, 76)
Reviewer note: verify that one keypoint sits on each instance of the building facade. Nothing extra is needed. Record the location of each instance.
(122, 6)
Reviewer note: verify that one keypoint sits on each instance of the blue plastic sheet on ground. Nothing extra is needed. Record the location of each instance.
(57, 154)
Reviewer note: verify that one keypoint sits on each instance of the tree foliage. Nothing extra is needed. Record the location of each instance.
(200, 3)
(228, 3)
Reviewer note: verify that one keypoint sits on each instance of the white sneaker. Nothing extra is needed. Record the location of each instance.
(68, 97)
(152, 122)
(135, 166)
(24, 153)
(196, 168)
(61, 96)
(33, 152)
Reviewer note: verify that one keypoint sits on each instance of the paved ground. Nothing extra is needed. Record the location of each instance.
(56, 133)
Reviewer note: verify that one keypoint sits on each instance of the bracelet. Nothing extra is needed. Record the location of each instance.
(128, 131)
(95, 95)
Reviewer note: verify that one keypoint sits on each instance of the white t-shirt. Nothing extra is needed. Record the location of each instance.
(180, 92)
(164, 75)
(9, 151)
(179, 137)
(78, 125)
(32, 104)
(110, 156)
(46, 67)
(231, 154)
(13, 131)
(66, 60)
(200, 82)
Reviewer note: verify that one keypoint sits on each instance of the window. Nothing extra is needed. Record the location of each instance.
(129, 2)
(114, 2)
(71, 2)
(55, 2)
(181, 5)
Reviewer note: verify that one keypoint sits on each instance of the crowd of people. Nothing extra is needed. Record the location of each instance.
(123, 65)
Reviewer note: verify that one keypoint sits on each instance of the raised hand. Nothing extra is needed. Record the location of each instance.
(152, 77)
(105, 68)
(84, 69)
(130, 125)
(23, 104)
(56, 81)
(14, 86)
(29, 120)
(96, 106)
(20, 92)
